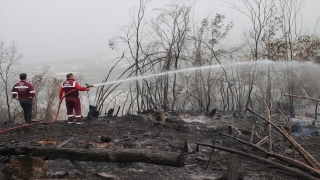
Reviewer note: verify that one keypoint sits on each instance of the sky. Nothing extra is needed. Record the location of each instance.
(55, 30)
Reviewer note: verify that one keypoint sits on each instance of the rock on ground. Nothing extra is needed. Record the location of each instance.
(25, 168)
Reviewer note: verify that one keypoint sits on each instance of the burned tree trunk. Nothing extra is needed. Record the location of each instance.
(122, 155)
(233, 173)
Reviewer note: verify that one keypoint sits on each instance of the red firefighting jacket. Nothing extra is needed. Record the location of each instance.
(23, 90)
(69, 85)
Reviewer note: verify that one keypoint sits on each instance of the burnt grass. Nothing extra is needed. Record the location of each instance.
(162, 136)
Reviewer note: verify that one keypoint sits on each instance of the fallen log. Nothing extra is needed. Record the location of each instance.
(109, 155)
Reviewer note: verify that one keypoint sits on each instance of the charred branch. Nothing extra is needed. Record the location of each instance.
(263, 160)
(290, 161)
(306, 156)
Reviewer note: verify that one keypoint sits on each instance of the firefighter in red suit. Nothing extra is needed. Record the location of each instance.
(24, 92)
(72, 98)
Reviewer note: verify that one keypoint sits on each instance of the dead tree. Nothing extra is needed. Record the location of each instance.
(290, 11)
(209, 34)
(259, 12)
(53, 85)
(171, 28)
(38, 81)
(206, 39)
(9, 58)
(132, 38)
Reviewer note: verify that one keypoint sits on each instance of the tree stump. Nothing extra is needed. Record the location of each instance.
(233, 173)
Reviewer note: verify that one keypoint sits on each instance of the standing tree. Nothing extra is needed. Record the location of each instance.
(38, 81)
(133, 39)
(9, 58)
(171, 28)
(53, 85)
(259, 12)
(290, 11)
(207, 50)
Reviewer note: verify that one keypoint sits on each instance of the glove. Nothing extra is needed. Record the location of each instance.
(87, 89)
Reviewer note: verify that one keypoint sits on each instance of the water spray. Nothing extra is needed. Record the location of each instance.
(265, 62)
(153, 75)
(174, 72)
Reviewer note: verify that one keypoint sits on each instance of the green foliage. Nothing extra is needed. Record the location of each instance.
(307, 48)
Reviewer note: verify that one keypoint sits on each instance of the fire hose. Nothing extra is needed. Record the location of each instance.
(32, 124)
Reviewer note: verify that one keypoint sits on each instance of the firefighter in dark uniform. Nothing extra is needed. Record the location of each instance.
(71, 88)
(24, 92)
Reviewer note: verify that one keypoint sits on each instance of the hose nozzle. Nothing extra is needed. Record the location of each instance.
(87, 85)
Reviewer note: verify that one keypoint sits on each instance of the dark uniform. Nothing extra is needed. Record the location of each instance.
(24, 92)
(71, 88)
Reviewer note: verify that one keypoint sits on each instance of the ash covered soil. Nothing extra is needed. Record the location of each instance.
(167, 135)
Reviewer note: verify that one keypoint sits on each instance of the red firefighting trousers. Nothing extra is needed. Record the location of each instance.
(73, 104)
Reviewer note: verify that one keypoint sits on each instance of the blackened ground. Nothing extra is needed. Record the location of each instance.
(154, 135)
